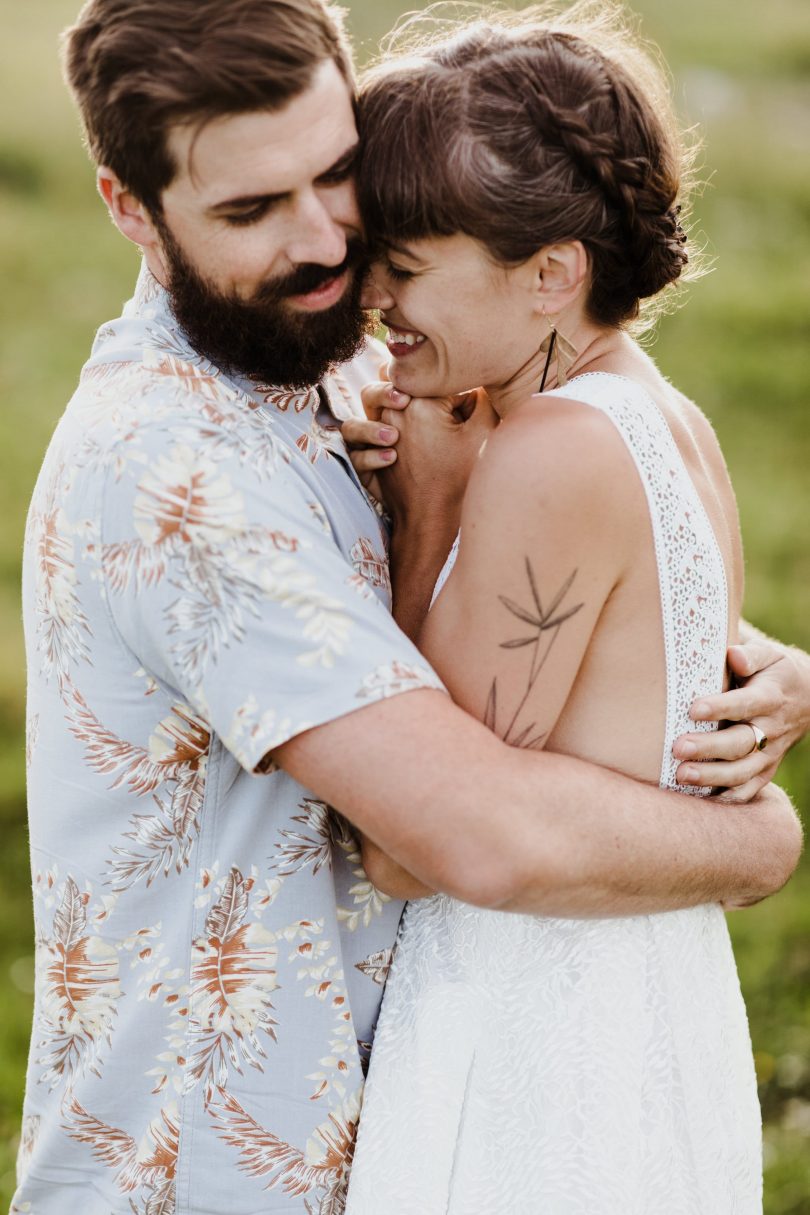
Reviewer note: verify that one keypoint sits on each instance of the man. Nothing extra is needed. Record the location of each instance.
(213, 663)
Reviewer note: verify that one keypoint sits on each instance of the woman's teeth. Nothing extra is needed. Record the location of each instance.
(408, 339)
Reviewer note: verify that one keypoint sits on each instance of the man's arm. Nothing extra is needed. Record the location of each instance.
(773, 678)
(529, 831)
(496, 825)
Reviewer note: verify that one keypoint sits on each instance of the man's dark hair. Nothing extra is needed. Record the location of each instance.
(139, 67)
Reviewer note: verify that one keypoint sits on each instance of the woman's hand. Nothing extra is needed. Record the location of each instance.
(774, 696)
(439, 441)
(434, 442)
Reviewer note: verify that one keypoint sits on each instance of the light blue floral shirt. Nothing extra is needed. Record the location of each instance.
(204, 579)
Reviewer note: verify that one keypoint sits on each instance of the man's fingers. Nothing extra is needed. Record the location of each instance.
(733, 743)
(724, 774)
(740, 704)
(752, 656)
(363, 432)
(744, 793)
(372, 459)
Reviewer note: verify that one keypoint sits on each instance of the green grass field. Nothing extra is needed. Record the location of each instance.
(740, 347)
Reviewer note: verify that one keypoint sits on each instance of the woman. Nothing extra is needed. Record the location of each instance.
(525, 179)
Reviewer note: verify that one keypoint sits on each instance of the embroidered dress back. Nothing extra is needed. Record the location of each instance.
(576, 1067)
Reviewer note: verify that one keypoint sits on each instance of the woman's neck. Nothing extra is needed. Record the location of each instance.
(597, 349)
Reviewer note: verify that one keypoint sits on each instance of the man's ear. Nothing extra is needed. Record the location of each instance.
(562, 275)
(129, 215)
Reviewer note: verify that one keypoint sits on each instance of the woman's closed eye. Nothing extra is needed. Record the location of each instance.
(398, 273)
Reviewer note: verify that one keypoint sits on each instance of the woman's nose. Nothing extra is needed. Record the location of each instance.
(375, 293)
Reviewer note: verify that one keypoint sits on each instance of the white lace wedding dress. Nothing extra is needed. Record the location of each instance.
(536, 1066)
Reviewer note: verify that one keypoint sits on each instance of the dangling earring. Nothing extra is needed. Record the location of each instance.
(555, 345)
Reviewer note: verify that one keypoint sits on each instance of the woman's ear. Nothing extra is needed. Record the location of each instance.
(129, 215)
(562, 273)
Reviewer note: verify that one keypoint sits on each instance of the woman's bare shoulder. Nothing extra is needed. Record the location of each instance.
(554, 441)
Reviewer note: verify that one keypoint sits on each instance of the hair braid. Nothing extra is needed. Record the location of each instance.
(527, 129)
(643, 202)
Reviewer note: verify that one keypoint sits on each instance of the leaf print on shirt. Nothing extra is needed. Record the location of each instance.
(185, 497)
(320, 1169)
(149, 1166)
(179, 741)
(368, 900)
(319, 966)
(318, 442)
(62, 625)
(177, 755)
(370, 564)
(29, 1134)
(31, 737)
(377, 966)
(182, 501)
(232, 978)
(312, 846)
(200, 378)
(284, 580)
(282, 400)
(396, 677)
(80, 985)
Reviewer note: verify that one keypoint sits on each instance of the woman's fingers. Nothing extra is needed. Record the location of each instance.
(382, 395)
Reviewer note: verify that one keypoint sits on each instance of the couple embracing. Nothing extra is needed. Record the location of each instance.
(232, 796)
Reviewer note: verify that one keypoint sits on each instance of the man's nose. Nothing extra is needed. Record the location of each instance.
(319, 232)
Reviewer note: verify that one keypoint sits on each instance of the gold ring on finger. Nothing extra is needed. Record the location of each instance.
(760, 738)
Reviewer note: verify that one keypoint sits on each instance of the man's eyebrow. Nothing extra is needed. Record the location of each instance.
(343, 164)
(245, 200)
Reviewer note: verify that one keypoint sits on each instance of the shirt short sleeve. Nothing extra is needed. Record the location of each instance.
(227, 581)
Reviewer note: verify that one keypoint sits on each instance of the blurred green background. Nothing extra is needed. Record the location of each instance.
(740, 347)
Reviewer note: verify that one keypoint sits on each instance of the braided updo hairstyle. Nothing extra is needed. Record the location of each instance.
(528, 129)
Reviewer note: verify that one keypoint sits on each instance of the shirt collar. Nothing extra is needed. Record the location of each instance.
(301, 411)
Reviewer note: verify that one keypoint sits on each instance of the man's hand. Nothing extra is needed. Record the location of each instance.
(774, 695)
(371, 442)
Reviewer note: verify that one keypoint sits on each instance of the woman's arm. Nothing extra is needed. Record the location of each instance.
(539, 833)
(543, 545)
(774, 677)
(539, 555)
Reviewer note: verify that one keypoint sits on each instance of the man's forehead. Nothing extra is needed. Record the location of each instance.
(272, 151)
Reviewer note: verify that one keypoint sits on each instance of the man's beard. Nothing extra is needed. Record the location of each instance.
(262, 337)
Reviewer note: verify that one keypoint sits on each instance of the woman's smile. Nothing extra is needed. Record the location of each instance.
(402, 342)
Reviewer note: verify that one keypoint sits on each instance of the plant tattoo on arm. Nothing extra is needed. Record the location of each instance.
(544, 627)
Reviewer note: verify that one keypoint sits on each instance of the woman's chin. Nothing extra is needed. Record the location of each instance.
(415, 383)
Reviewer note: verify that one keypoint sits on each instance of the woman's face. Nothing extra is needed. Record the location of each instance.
(455, 319)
